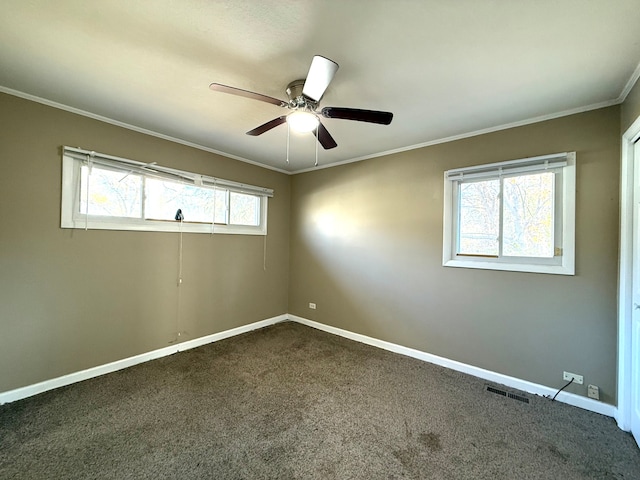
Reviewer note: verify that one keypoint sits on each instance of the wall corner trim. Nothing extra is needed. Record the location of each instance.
(512, 382)
(41, 387)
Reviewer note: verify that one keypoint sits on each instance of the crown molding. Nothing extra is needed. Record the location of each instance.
(475, 133)
(128, 126)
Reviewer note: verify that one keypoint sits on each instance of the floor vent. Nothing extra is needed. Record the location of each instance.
(496, 390)
(520, 398)
(504, 393)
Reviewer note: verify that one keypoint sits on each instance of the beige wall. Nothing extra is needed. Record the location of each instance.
(74, 299)
(631, 107)
(366, 247)
(366, 242)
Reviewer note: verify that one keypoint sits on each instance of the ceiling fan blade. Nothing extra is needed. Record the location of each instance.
(371, 116)
(324, 137)
(218, 87)
(265, 127)
(319, 77)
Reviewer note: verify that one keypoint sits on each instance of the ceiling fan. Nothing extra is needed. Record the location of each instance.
(304, 102)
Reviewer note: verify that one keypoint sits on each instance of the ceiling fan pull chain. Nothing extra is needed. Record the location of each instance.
(264, 254)
(288, 135)
(316, 164)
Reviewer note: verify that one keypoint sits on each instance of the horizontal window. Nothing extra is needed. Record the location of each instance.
(104, 192)
(516, 215)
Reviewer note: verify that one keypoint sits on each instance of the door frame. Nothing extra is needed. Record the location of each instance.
(625, 275)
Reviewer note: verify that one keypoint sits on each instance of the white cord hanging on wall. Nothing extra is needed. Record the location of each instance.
(264, 255)
(180, 218)
(213, 220)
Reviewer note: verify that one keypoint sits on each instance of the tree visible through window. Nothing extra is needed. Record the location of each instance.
(515, 215)
(164, 198)
(479, 222)
(111, 193)
(526, 210)
(528, 215)
(244, 209)
(120, 194)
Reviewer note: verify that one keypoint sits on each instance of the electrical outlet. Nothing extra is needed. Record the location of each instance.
(576, 378)
(312, 306)
(593, 391)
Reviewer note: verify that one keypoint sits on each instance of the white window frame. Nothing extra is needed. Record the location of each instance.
(72, 217)
(564, 261)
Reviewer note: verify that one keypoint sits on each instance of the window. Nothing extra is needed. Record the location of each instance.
(104, 192)
(517, 215)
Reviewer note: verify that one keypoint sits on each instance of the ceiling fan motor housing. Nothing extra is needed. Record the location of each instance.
(297, 99)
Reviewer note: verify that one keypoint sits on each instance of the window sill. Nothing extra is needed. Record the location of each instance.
(162, 226)
(511, 267)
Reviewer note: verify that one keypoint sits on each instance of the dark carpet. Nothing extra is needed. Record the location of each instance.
(289, 402)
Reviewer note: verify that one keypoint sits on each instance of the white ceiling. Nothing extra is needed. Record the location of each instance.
(444, 68)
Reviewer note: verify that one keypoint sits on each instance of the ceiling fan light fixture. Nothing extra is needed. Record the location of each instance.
(302, 122)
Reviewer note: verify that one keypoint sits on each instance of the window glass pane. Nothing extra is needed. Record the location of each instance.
(222, 197)
(244, 209)
(479, 218)
(528, 208)
(111, 193)
(164, 198)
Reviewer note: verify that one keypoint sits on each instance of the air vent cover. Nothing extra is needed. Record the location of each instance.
(506, 394)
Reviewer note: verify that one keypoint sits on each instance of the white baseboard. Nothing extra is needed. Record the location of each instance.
(30, 390)
(512, 382)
